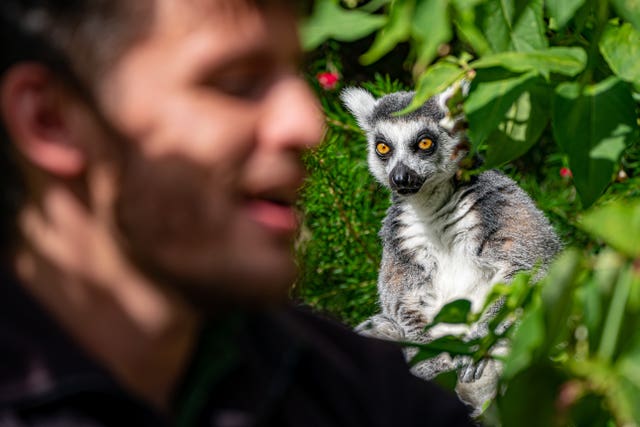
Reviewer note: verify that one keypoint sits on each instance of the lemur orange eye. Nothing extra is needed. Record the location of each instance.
(425, 144)
(382, 148)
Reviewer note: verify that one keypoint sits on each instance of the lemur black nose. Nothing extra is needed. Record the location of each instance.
(405, 180)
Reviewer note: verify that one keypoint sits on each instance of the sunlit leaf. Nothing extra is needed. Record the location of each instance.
(492, 95)
(599, 117)
(515, 25)
(562, 60)
(620, 46)
(329, 20)
(522, 127)
(618, 225)
(454, 312)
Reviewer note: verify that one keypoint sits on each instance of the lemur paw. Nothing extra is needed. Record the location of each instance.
(433, 367)
(381, 326)
(470, 371)
(477, 383)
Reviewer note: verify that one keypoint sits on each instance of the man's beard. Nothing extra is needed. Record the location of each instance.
(175, 235)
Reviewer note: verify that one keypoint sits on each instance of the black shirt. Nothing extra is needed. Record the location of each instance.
(279, 368)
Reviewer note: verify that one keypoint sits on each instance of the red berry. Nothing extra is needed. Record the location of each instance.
(328, 80)
(565, 173)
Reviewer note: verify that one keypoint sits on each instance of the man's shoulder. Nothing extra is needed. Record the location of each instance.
(371, 371)
(336, 343)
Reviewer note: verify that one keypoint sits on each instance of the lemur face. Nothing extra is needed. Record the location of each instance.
(406, 153)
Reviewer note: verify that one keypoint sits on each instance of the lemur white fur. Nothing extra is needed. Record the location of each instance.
(442, 239)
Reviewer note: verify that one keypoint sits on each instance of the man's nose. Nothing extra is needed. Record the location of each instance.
(292, 117)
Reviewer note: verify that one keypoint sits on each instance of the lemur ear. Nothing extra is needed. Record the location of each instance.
(454, 118)
(461, 86)
(361, 104)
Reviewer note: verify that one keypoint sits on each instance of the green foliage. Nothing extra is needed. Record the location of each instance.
(575, 60)
(344, 207)
(329, 20)
(593, 125)
(554, 84)
(574, 337)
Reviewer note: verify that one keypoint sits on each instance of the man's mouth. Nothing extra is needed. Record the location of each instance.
(273, 212)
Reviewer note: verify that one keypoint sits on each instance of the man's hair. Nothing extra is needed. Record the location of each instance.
(77, 40)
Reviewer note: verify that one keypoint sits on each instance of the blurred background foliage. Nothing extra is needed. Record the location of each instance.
(554, 103)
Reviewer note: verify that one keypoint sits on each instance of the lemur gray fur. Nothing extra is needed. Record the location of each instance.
(443, 239)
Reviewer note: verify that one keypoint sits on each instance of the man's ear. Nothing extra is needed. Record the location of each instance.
(33, 111)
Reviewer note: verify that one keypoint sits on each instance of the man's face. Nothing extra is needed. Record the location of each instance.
(214, 121)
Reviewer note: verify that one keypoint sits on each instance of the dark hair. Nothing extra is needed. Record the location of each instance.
(76, 39)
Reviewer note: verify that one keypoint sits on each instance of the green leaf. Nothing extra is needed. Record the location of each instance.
(447, 344)
(595, 294)
(397, 29)
(530, 398)
(431, 27)
(568, 61)
(374, 5)
(435, 80)
(454, 312)
(515, 25)
(620, 47)
(329, 20)
(618, 225)
(615, 316)
(557, 296)
(592, 125)
(492, 94)
(522, 127)
(528, 337)
(626, 400)
(563, 10)
(465, 23)
(629, 10)
(629, 363)
(447, 380)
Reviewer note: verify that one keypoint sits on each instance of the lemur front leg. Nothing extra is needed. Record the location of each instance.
(381, 326)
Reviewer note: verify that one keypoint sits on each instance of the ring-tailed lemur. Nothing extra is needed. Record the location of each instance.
(442, 239)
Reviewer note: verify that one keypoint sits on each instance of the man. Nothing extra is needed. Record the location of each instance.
(151, 161)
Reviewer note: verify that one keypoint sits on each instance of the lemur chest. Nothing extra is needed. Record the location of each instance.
(445, 246)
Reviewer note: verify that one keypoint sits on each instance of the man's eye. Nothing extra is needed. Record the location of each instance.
(248, 87)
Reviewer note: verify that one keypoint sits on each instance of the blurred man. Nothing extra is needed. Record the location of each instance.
(150, 167)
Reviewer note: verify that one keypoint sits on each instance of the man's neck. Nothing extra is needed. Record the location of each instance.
(141, 332)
